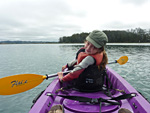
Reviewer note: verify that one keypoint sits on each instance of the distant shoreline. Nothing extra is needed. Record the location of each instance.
(26, 42)
(115, 44)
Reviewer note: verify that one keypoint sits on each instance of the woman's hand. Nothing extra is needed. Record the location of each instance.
(60, 75)
(64, 67)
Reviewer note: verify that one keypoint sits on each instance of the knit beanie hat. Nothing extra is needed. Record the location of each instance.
(97, 38)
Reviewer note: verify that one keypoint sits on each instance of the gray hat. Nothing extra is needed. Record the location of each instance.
(97, 38)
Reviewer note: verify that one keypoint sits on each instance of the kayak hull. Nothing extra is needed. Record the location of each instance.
(49, 98)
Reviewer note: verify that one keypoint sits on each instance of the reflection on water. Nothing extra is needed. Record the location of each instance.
(49, 58)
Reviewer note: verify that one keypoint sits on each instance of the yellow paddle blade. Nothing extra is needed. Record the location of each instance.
(122, 60)
(19, 83)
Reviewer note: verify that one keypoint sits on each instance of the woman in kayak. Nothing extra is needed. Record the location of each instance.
(89, 64)
(88, 68)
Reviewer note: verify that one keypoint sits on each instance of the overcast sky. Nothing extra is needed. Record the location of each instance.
(48, 20)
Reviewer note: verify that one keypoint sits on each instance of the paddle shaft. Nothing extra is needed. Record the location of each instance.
(55, 74)
(113, 62)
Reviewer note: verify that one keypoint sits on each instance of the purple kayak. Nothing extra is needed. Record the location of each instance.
(53, 95)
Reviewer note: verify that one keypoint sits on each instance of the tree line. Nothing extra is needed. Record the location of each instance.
(136, 35)
(25, 42)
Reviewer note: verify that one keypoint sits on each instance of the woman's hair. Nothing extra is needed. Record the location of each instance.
(104, 60)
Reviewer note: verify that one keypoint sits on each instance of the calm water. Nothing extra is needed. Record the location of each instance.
(49, 58)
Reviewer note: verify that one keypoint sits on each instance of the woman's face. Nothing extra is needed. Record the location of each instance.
(90, 48)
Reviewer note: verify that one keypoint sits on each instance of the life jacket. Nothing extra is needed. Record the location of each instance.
(97, 57)
(92, 78)
(81, 55)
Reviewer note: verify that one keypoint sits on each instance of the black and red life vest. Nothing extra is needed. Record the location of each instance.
(92, 78)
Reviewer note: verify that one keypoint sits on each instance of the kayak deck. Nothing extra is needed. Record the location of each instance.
(84, 107)
(49, 98)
